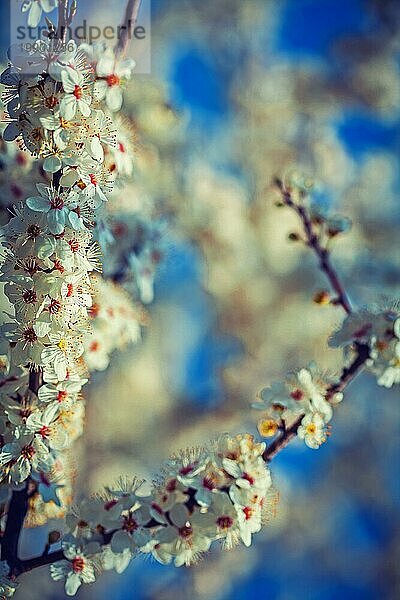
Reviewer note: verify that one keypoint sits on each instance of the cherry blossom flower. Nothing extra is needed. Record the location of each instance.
(312, 430)
(19, 457)
(110, 75)
(78, 568)
(60, 208)
(188, 536)
(77, 95)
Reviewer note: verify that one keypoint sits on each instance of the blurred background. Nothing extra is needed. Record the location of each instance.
(241, 92)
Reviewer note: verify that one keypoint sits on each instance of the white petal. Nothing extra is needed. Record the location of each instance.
(34, 15)
(72, 584)
(114, 98)
(68, 107)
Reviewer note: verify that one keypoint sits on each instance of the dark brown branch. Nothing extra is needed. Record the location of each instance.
(314, 243)
(17, 510)
(130, 18)
(19, 504)
(39, 561)
(351, 372)
(347, 376)
(282, 440)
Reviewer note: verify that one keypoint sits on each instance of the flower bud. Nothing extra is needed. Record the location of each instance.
(54, 537)
(322, 298)
(267, 427)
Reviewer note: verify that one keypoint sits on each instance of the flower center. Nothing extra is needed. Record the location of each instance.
(94, 346)
(44, 431)
(58, 266)
(54, 307)
(113, 80)
(171, 485)
(267, 427)
(381, 345)
(224, 522)
(311, 428)
(29, 335)
(70, 290)
(28, 452)
(78, 92)
(186, 531)
(248, 478)
(130, 524)
(93, 179)
(297, 395)
(62, 344)
(57, 203)
(78, 564)
(33, 231)
(209, 482)
(186, 470)
(110, 504)
(51, 101)
(29, 296)
(62, 395)
(363, 331)
(36, 134)
(25, 413)
(248, 512)
(94, 310)
(74, 245)
(30, 266)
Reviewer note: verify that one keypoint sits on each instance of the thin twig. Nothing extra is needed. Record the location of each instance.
(66, 13)
(347, 376)
(130, 18)
(62, 19)
(322, 253)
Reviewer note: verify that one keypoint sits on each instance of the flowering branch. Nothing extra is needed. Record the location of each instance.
(347, 376)
(313, 241)
(65, 116)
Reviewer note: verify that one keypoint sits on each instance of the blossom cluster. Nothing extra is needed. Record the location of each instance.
(116, 323)
(306, 192)
(304, 393)
(49, 258)
(310, 396)
(134, 253)
(378, 328)
(222, 492)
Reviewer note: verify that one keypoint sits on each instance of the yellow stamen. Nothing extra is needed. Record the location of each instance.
(62, 344)
(267, 427)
